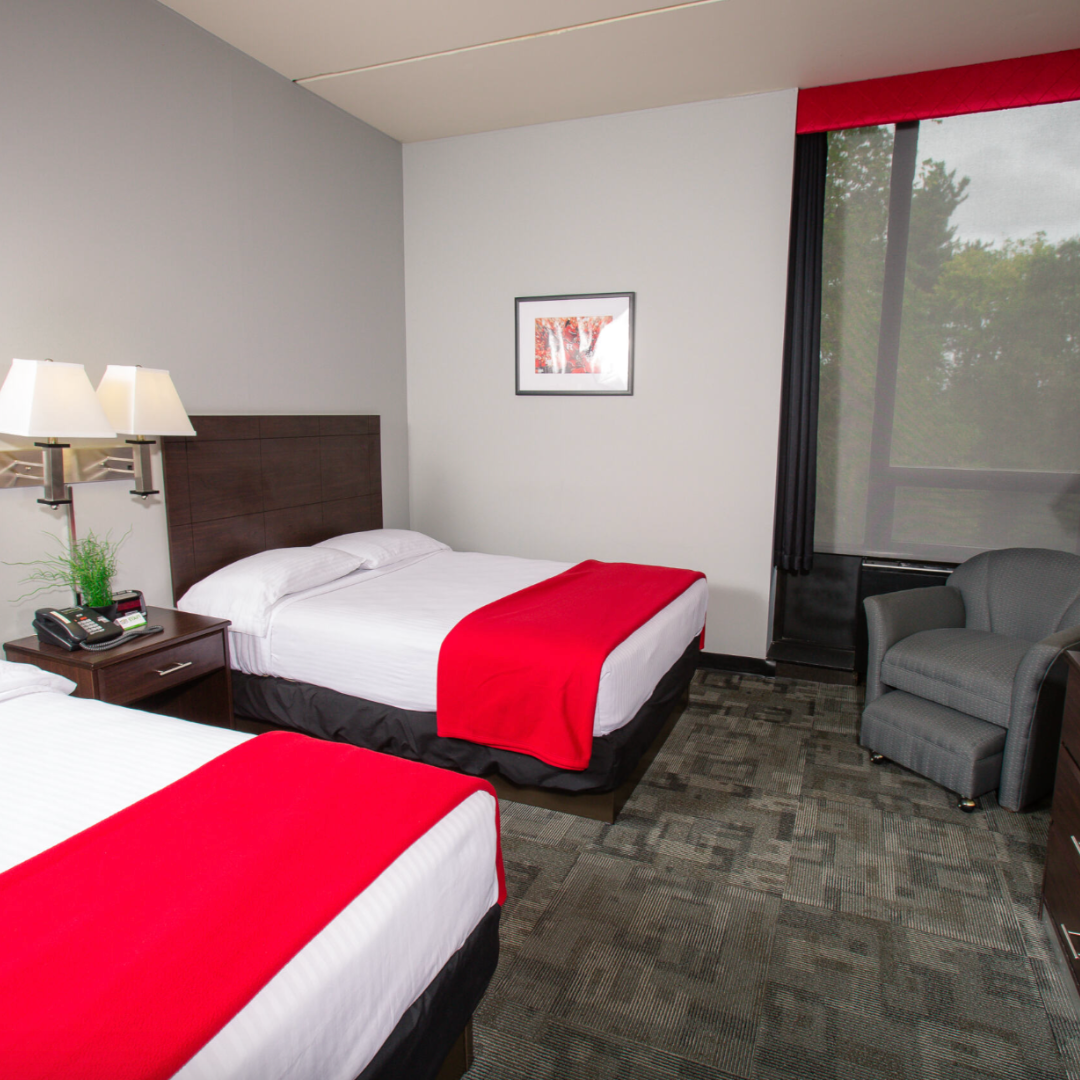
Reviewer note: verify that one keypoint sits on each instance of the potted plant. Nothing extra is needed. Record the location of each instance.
(86, 566)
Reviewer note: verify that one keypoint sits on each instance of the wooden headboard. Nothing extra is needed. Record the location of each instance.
(248, 483)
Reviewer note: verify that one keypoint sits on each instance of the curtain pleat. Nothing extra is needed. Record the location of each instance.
(797, 462)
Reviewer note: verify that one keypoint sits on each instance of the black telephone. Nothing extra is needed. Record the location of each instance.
(72, 627)
(82, 628)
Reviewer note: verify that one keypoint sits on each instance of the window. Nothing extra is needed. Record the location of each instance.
(949, 418)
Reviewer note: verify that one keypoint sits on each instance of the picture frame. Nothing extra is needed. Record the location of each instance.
(575, 344)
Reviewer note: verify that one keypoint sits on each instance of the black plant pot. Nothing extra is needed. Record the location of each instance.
(109, 610)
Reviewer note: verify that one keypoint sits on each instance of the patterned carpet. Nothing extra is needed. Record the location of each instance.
(769, 905)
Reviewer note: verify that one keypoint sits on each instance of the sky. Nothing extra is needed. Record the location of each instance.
(1024, 166)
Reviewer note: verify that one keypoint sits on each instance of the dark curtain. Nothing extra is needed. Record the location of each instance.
(797, 465)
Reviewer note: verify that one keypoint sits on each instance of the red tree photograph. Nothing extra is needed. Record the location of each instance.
(566, 345)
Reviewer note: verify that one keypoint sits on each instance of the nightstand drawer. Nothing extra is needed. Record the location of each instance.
(144, 675)
(1061, 882)
(1070, 725)
(1061, 891)
(1065, 816)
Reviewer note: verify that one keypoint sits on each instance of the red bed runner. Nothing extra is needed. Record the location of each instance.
(523, 673)
(125, 948)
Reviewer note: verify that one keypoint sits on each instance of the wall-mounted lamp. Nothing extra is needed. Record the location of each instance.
(51, 400)
(142, 401)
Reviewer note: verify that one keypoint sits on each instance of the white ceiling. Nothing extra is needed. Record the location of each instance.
(425, 69)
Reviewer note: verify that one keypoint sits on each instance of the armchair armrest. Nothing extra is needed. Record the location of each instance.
(1038, 699)
(891, 617)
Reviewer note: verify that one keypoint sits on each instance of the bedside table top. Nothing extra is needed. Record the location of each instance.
(179, 626)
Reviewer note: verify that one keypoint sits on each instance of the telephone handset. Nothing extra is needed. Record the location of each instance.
(82, 628)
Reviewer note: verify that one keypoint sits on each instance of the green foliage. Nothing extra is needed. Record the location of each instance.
(853, 271)
(87, 568)
(989, 366)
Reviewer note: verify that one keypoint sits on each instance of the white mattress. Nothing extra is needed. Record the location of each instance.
(66, 763)
(376, 634)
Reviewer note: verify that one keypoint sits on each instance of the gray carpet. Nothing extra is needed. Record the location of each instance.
(769, 905)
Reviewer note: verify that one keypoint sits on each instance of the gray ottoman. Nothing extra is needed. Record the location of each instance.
(951, 748)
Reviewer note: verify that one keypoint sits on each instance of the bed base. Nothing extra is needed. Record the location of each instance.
(603, 806)
(433, 1040)
(459, 1061)
(598, 792)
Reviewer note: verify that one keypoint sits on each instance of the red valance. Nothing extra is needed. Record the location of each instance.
(1001, 84)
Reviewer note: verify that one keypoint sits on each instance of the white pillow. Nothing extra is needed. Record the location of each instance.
(244, 592)
(380, 547)
(19, 679)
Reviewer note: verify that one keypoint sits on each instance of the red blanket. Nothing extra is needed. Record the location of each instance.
(523, 673)
(125, 948)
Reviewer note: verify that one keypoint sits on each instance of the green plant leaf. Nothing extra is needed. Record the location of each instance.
(87, 567)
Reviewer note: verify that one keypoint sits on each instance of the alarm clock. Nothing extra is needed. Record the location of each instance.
(130, 608)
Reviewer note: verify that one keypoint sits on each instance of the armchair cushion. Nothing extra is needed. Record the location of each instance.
(971, 671)
(892, 617)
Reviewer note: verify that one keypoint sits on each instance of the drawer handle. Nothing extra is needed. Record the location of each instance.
(1075, 844)
(1069, 935)
(187, 663)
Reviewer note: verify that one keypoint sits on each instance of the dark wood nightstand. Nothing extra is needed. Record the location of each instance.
(183, 671)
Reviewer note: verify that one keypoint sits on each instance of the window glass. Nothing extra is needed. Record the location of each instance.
(853, 266)
(978, 429)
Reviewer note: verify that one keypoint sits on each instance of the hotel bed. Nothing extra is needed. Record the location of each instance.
(305, 659)
(384, 990)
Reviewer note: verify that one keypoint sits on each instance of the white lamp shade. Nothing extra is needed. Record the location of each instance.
(48, 399)
(142, 401)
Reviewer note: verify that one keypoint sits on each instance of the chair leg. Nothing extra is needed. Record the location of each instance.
(876, 759)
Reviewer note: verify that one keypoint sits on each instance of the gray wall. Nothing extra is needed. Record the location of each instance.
(165, 200)
(689, 208)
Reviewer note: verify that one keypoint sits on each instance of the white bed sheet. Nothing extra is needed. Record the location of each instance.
(376, 634)
(66, 763)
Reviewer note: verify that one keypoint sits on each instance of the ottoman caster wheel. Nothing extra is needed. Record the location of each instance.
(969, 806)
(876, 759)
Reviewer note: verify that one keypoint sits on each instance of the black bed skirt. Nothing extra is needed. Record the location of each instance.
(418, 1045)
(327, 714)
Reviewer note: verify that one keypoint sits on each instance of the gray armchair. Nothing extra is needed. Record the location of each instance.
(965, 682)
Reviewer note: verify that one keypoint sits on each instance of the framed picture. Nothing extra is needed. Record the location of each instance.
(575, 344)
